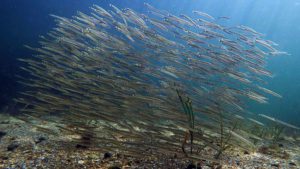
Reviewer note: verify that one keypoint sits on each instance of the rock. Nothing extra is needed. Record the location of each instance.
(137, 161)
(40, 139)
(191, 166)
(23, 165)
(5, 122)
(219, 167)
(80, 162)
(126, 167)
(45, 160)
(284, 155)
(263, 150)
(12, 146)
(4, 158)
(199, 166)
(79, 146)
(275, 165)
(107, 155)
(2, 133)
(114, 167)
(12, 138)
(128, 163)
(118, 155)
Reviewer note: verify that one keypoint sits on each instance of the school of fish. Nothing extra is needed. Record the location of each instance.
(113, 75)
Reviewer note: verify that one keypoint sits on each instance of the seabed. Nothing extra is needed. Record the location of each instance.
(22, 146)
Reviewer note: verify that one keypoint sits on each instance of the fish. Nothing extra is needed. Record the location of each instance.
(265, 44)
(203, 14)
(178, 20)
(192, 22)
(274, 53)
(243, 139)
(223, 17)
(250, 30)
(270, 92)
(161, 12)
(135, 18)
(279, 121)
(120, 13)
(256, 122)
(158, 24)
(101, 11)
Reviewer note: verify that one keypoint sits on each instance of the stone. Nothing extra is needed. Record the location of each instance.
(107, 155)
(2, 134)
(219, 167)
(80, 162)
(79, 146)
(275, 165)
(191, 166)
(114, 167)
(12, 146)
(40, 139)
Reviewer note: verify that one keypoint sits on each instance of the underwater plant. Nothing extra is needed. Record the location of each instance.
(188, 110)
(225, 138)
(273, 132)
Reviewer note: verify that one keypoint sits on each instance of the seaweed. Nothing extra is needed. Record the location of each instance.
(188, 110)
(272, 132)
(256, 130)
(224, 138)
(276, 132)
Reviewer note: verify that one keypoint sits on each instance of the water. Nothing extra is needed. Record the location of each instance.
(23, 22)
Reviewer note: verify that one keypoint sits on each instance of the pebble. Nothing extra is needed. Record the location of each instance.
(107, 155)
(191, 166)
(40, 139)
(126, 167)
(80, 162)
(275, 165)
(114, 167)
(2, 133)
(4, 157)
(12, 146)
(137, 161)
(79, 146)
(5, 122)
(44, 159)
(219, 167)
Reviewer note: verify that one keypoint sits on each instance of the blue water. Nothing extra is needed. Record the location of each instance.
(23, 21)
